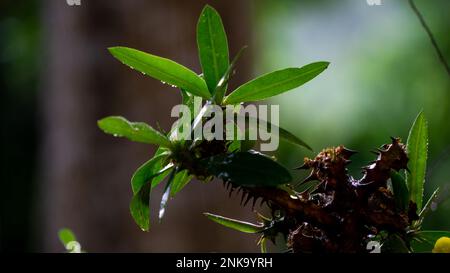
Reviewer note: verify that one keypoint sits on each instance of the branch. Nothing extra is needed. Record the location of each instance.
(430, 34)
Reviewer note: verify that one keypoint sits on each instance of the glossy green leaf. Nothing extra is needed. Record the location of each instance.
(140, 207)
(235, 224)
(400, 190)
(424, 241)
(163, 171)
(134, 131)
(417, 148)
(247, 168)
(66, 236)
(275, 83)
(149, 170)
(212, 47)
(180, 180)
(162, 69)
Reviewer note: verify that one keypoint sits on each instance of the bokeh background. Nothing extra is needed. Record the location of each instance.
(57, 79)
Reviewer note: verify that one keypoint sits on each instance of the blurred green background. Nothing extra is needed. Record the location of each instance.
(383, 72)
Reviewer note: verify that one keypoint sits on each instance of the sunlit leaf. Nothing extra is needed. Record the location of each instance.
(162, 69)
(417, 148)
(212, 47)
(134, 131)
(235, 224)
(275, 83)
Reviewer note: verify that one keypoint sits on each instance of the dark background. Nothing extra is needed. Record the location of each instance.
(57, 79)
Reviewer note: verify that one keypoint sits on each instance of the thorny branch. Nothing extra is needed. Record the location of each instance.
(342, 212)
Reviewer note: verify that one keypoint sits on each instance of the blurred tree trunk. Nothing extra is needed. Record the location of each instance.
(85, 183)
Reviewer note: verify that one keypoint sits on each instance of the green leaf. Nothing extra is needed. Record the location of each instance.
(163, 171)
(400, 190)
(263, 244)
(221, 87)
(235, 224)
(423, 241)
(188, 100)
(212, 47)
(140, 207)
(394, 244)
(134, 131)
(166, 194)
(148, 171)
(417, 147)
(180, 180)
(234, 146)
(283, 133)
(247, 168)
(66, 236)
(275, 83)
(291, 138)
(162, 69)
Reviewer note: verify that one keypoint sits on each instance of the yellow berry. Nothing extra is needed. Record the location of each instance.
(442, 245)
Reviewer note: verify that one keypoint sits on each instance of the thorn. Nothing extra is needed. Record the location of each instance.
(239, 190)
(254, 202)
(261, 202)
(394, 140)
(248, 199)
(231, 192)
(242, 197)
(347, 153)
